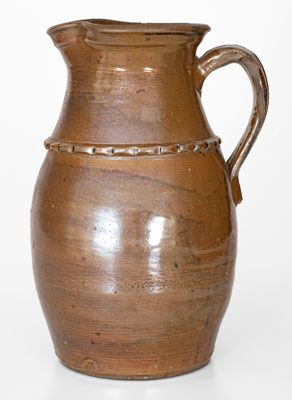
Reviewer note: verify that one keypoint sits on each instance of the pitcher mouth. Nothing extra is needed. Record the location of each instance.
(112, 26)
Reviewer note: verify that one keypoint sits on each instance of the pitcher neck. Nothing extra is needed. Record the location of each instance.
(129, 83)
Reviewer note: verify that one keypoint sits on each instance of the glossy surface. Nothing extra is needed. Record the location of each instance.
(133, 218)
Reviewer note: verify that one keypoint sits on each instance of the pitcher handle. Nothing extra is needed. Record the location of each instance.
(219, 57)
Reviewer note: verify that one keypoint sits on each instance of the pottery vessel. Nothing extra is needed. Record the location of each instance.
(133, 219)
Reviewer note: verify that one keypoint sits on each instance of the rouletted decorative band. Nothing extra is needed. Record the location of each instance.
(131, 150)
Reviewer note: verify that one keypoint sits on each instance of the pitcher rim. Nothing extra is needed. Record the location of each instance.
(113, 26)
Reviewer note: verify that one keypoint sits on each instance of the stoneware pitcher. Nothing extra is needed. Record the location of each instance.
(133, 219)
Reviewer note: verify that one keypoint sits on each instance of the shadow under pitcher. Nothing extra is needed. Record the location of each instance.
(133, 221)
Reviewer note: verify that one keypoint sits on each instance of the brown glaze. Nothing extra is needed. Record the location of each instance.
(133, 216)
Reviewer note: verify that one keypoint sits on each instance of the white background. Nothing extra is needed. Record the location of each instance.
(252, 359)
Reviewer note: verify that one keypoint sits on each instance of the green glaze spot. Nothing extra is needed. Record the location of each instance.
(196, 28)
(175, 265)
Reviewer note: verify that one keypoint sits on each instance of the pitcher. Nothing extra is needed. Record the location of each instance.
(133, 216)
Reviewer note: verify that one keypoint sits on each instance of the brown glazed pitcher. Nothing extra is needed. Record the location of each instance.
(133, 218)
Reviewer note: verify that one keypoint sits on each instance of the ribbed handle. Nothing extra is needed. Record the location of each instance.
(217, 58)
